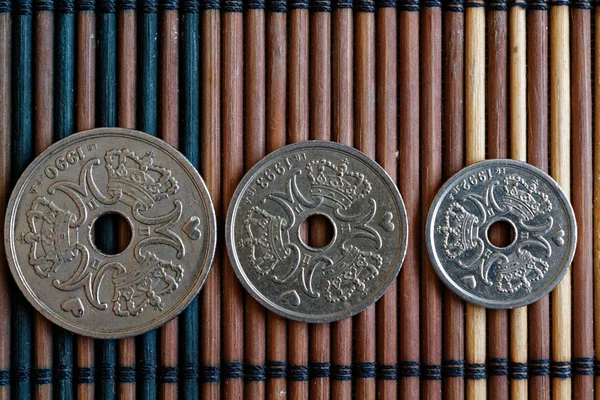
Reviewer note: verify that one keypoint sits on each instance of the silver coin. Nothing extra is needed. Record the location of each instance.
(532, 205)
(50, 243)
(286, 274)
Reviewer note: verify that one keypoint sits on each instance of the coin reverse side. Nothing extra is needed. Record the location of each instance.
(49, 233)
(269, 252)
(534, 207)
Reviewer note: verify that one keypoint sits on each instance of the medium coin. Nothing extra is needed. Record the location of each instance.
(272, 256)
(52, 248)
(538, 218)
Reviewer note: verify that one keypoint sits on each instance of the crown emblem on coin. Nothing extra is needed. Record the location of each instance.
(524, 199)
(50, 236)
(362, 266)
(336, 182)
(459, 230)
(144, 285)
(519, 271)
(265, 239)
(138, 178)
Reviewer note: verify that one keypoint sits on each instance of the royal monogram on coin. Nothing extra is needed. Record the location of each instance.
(268, 248)
(530, 204)
(50, 232)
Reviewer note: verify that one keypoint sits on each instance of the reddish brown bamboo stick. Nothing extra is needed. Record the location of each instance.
(596, 204)
(497, 130)
(454, 160)
(86, 94)
(5, 146)
(320, 129)
(254, 151)
(537, 154)
(43, 78)
(276, 138)
(169, 132)
(431, 169)
(408, 155)
(298, 131)
(254, 28)
(233, 168)
(387, 144)
(210, 159)
(343, 132)
(582, 199)
(364, 140)
(126, 87)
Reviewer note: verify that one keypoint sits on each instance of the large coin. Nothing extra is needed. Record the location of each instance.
(531, 204)
(50, 240)
(273, 260)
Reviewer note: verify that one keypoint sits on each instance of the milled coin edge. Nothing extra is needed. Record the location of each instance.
(17, 195)
(236, 198)
(430, 234)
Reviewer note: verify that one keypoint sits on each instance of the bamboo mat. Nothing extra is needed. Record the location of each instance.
(423, 87)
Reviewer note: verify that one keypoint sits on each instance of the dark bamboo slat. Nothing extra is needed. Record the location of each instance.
(5, 178)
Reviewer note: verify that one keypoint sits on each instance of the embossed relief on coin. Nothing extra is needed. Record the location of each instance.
(277, 265)
(51, 245)
(534, 208)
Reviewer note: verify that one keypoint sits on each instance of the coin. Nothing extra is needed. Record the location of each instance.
(531, 204)
(50, 241)
(272, 258)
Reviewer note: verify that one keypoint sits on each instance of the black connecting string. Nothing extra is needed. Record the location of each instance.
(454, 369)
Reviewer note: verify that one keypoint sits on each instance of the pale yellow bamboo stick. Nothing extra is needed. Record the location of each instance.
(518, 151)
(560, 123)
(475, 149)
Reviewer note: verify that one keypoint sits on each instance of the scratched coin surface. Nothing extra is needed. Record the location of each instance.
(271, 254)
(51, 241)
(539, 221)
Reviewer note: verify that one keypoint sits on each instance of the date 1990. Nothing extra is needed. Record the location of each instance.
(61, 163)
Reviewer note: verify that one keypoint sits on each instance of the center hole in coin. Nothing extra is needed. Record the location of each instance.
(319, 231)
(112, 233)
(501, 234)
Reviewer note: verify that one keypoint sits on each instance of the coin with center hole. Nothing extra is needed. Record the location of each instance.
(501, 233)
(316, 231)
(58, 253)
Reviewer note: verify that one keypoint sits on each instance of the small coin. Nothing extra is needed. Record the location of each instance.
(52, 245)
(274, 259)
(537, 216)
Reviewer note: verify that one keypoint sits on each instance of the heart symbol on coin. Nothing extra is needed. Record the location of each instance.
(73, 305)
(469, 280)
(291, 296)
(192, 228)
(558, 238)
(386, 222)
